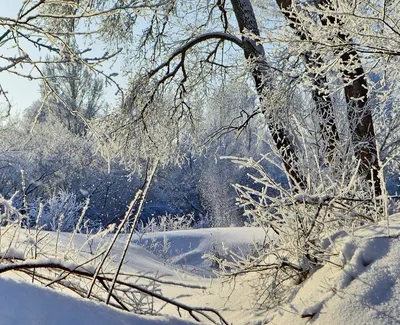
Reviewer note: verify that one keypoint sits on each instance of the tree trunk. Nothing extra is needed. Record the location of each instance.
(254, 52)
(320, 93)
(358, 111)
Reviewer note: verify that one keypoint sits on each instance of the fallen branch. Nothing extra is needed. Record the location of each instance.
(194, 312)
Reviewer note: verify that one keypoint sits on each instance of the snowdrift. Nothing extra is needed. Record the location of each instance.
(360, 284)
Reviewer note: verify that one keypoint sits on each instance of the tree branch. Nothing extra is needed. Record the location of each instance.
(199, 39)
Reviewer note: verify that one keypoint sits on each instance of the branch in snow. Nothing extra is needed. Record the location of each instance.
(55, 264)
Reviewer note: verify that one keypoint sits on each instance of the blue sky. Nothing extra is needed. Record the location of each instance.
(20, 91)
(10, 7)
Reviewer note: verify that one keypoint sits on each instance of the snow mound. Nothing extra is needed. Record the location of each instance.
(186, 248)
(23, 303)
(360, 286)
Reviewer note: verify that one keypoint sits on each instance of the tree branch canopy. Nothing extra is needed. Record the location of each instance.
(199, 39)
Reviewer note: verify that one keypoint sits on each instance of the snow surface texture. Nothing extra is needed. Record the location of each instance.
(186, 248)
(23, 303)
(366, 290)
(362, 287)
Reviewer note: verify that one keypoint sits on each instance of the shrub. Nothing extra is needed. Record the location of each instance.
(61, 212)
(297, 224)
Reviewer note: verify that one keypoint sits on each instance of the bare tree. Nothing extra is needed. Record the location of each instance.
(320, 92)
(356, 93)
(200, 53)
(260, 71)
(50, 26)
(74, 89)
(179, 70)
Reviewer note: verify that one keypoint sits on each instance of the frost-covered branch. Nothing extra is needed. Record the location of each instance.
(53, 264)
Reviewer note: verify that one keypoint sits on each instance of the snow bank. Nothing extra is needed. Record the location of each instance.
(363, 288)
(186, 248)
(22, 303)
(360, 286)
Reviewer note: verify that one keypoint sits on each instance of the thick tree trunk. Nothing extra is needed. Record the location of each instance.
(254, 52)
(358, 111)
(320, 93)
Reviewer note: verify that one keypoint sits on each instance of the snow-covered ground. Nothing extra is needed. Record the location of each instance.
(366, 290)
(360, 286)
(23, 303)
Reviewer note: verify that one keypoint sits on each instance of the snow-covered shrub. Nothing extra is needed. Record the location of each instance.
(296, 222)
(52, 159)
(167, 222)
(149, 232)
(61, 212)
(10, 214)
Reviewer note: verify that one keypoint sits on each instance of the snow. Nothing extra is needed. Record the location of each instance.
(360, 284)
(187, 247)
(184, 264)
(365, 290)
(23, 303)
